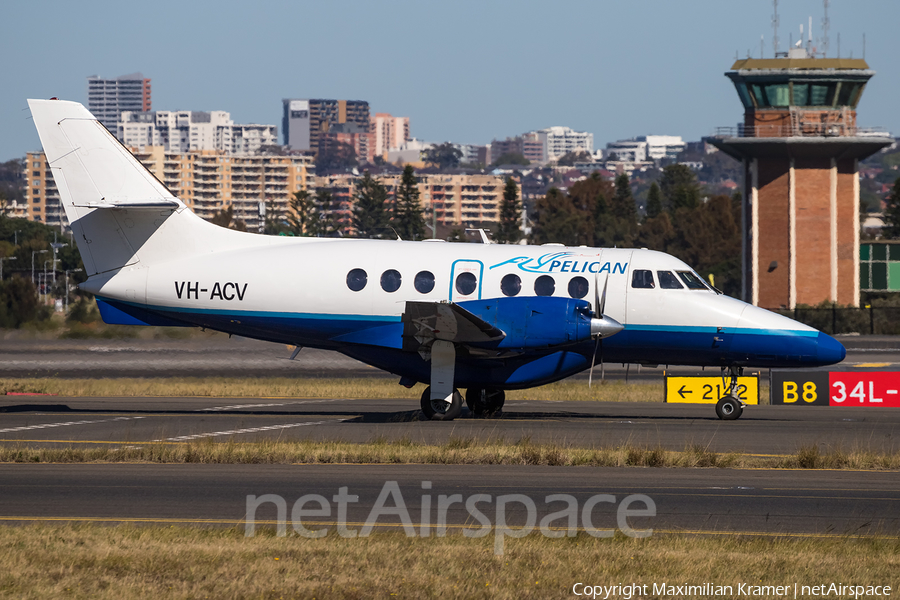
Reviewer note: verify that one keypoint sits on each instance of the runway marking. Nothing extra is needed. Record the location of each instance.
(184, 438)
(239, 406)
(238, 522)
(872, 365)
(68, 423)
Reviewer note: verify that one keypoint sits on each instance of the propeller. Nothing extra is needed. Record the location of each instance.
(601, 325)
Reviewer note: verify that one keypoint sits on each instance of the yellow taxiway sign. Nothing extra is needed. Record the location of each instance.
(708, 390)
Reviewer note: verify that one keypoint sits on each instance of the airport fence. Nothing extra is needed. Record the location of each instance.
(868, 320)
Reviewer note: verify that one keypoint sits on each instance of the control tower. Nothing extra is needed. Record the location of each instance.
(800, 148)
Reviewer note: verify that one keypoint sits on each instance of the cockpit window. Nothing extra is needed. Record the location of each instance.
(692, 281)
(667, 281)
(642, 278)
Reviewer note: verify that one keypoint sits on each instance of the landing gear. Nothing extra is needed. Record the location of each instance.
(485, 402)
(730, 407)
(438, 409)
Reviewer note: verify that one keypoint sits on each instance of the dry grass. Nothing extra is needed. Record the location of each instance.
(456, 451)
(283, 387)
(124, 562)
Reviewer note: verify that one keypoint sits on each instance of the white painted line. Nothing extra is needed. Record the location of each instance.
(240, 406)
(185, 438)
(69, 423)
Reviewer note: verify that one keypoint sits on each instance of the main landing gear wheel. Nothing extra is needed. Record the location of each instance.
(728, 408)
(484, 402)
(440, 410)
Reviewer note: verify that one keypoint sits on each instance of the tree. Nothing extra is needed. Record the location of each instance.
(892, 213)
(570, 158)
(555, 219)
(313, 215)
(654, 202)
(623, 202)
(370, 215)
(510, 215)
(408, 220)
(445, 156)
(590, 197)
(511, 158)
(679, 188)
(334, 155)
(18, 302)
(225, 218)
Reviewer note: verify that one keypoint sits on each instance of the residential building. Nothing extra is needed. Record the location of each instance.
(559, 141)
(660, 147)
(207, 181)
(388, 132)
(453, 200)
(474, 155)
(109, 98)
(632, 151)
(410, 152)
(354, 135)
(192, 131)
(305, 120)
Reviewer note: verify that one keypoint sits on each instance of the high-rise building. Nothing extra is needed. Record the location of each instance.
(186, 131)
(559, 141)
(304, 121)
(800, 147)
(207, 181)
(109, 98)
(388, 133)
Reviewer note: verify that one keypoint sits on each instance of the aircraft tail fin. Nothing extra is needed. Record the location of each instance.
(116, 207)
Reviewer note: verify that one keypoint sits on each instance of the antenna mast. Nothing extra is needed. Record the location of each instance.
(775, 27)
(826, 23)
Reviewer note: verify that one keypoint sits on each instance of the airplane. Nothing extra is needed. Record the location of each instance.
(483, 317)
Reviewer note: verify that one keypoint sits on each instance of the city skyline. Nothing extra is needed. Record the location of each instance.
(465, 72)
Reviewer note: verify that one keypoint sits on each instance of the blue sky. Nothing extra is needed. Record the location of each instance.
(462, 71)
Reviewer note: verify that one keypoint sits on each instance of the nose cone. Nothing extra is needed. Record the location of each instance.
(829, 350)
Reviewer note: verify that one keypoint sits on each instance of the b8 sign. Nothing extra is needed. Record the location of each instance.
(837, 388)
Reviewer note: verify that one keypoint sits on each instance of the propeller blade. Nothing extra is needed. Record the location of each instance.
(593, 358)
(603, 296)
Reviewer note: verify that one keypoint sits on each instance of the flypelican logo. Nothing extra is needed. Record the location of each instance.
(564, 262)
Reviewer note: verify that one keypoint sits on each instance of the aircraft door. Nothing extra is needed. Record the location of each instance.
(616, 283)
(465, 280)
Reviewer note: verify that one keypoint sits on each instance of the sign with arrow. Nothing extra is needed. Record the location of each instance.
(708, 390)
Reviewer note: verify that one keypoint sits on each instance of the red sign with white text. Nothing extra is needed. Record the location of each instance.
(859, 388)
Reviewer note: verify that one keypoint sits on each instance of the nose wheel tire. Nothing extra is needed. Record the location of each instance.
(485, 402)
(728, 408)
(441, 410)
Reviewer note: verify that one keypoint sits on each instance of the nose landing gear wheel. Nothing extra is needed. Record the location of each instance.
(728, 408)
(441, 410)
(484, 402)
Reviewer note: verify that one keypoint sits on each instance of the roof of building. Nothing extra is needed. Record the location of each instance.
(799, 63)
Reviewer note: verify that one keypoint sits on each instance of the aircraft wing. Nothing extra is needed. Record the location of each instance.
(424, 322)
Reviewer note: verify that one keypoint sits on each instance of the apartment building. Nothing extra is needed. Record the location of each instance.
(388, 132)
(193, 131)
(109, 98)
(207, 181)
(559, 141)
(305, 120)
(453, 200)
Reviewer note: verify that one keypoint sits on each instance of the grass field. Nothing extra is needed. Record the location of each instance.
(124, 562)
(456, 451)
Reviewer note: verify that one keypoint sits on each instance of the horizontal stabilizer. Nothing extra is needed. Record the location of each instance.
(104, 203)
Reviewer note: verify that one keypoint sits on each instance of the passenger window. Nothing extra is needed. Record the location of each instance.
(692, 281)
(511, 285)
(390, 280)
(424, 282)
(356, 279)
(466, 283)
(641, 278)
(667, 281)
(544, 286)
(578, 287)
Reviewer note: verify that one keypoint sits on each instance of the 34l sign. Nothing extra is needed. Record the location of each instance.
(836, 388)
